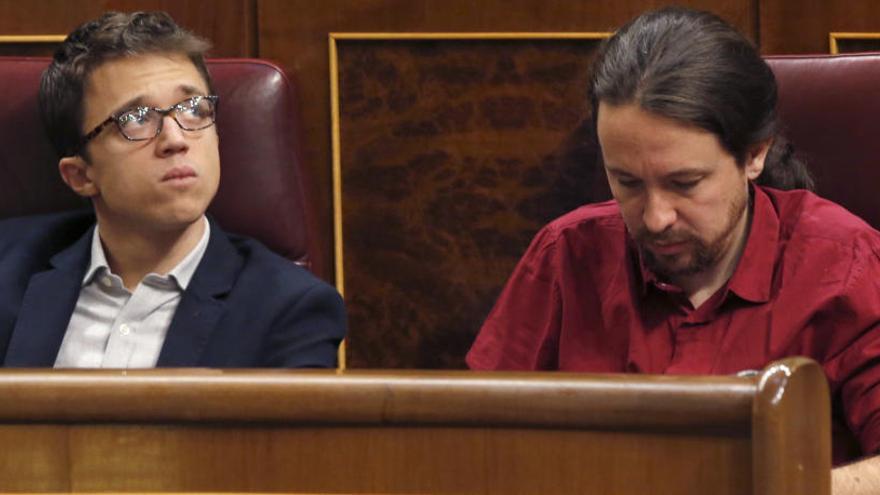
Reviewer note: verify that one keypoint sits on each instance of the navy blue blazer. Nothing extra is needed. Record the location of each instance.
(245, 306)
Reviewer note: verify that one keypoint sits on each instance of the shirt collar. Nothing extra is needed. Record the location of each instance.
(182, 273)
(753, 276)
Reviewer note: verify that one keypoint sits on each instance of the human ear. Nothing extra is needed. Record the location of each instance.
(756, 159)
(75, 172)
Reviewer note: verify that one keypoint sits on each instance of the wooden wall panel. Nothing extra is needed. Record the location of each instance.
(294, 33)
(229, 24)
(450, 289)
(793, 26)
(454, 153)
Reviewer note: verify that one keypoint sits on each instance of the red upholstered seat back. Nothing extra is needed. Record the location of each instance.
(262, 192)
(829, 107)
(830, 110)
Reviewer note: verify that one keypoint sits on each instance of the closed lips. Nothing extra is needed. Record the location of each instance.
(179, 173)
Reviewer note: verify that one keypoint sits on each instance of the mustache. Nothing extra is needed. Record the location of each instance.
(644, 236)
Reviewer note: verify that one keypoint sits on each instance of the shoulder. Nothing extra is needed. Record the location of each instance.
(586, 221)
(274, 275)
(803, 213)
(808, 220)
(43, 235)
(818, 233)
(50, 224)
(588, 238)
(276, 313)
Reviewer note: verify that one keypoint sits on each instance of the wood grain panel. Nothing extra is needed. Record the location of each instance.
(453, 154)
(415, 432)
(243, 459)
(295, 33)
(789, 26)
(229, 24)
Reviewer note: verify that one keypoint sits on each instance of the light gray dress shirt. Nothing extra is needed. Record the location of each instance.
(112, 327)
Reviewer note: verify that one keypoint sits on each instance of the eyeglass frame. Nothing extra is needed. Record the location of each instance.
(163, 112)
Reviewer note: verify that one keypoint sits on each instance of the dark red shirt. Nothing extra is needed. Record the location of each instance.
(807, 283)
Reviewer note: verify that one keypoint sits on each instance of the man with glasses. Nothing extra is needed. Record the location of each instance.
(146, 279)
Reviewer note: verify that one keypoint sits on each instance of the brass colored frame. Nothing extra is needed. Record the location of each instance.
(334, 112)
(834, 37)
(32, 38)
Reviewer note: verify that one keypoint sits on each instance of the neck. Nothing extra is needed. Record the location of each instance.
(133, 252)
(701, 286)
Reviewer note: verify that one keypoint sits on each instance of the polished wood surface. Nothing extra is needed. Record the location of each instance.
(412, 432)
(229, 24)
(789, 26)
(365, 397)
(792, 403)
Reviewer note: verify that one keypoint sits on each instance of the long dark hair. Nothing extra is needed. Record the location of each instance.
(693, 67)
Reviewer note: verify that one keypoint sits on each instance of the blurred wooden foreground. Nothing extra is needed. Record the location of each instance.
(414, 432)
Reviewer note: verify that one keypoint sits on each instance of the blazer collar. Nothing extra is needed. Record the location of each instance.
(51, 295)
(203, 303)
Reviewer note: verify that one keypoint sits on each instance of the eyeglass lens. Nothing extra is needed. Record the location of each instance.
(144, 122)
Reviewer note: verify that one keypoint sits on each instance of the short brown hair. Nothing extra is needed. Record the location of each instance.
(113, 35)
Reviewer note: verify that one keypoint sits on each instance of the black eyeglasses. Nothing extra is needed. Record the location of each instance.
(143, 123)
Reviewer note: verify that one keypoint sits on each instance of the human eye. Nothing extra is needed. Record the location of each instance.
(686, 184)
(136, 117)
(629, 182)
(186, 106)
(196, 110)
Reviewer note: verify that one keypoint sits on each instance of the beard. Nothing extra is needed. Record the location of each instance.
(699, 254)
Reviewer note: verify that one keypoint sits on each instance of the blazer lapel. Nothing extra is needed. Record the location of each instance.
(46, 307)
(202, 304)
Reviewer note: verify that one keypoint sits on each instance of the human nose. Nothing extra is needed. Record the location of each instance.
(659, 213)
(171, 138)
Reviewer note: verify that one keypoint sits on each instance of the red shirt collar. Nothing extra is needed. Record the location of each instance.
(753, 276)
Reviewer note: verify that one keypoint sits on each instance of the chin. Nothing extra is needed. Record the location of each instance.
(672, 267)
(180, 219)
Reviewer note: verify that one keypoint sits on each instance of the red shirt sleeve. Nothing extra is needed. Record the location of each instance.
(853, 367)
(522, 331)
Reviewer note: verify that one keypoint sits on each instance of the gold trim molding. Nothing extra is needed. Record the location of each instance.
(834, 37)
(32, 38)
(333, 38)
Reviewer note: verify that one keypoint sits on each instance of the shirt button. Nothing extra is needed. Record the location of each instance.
(106, 281)
(124, 329)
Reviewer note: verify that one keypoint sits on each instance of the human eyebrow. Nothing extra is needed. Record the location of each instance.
(688, 173)
(612, 170)
(190, 90)
(137, 101)
(623, 178)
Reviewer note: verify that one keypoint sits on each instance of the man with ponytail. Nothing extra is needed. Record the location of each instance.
(714, 257)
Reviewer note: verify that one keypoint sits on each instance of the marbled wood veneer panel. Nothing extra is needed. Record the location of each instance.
(453, 153)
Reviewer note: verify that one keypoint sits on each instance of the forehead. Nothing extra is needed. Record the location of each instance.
(634, 140)
(154, 79)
